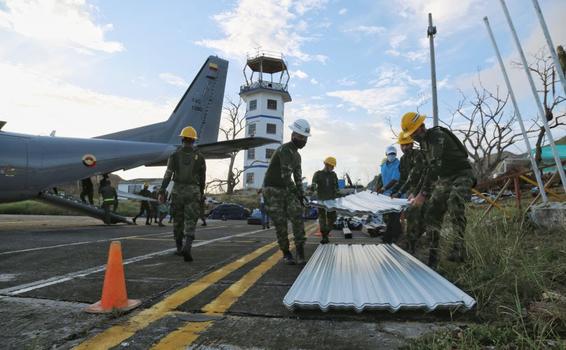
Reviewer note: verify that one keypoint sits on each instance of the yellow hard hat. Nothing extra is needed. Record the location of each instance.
(330, 161)
(411, 121)
(189, 132)
(405, 139)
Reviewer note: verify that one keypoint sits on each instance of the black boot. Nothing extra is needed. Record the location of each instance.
(179, 244)
(288, 258)
(187, 252)
(301, 255)
(324, 239)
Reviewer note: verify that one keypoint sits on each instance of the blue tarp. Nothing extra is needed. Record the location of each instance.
(548, 157)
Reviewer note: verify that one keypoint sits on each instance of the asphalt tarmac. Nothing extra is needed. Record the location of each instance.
(230, 297)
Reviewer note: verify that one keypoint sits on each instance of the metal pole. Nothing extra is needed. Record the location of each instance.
(536, 170)
(542, 115)
(557, 65)
(431, 31)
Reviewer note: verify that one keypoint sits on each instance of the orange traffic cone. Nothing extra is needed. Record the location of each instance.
(114, 294)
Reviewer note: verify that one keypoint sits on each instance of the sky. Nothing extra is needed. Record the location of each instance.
(90, 67)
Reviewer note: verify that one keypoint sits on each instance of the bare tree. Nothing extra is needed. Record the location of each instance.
(484, 128)
(235, 124)
(542, 67)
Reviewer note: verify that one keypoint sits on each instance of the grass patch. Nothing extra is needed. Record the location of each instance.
(517, 274)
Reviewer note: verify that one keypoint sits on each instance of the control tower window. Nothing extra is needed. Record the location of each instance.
(251, 153)
(268, 153)
(250, 178)
(271, 128)
(251, 130)
(272, 104)
(253, 105)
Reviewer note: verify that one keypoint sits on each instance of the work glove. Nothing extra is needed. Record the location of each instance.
(304, 201)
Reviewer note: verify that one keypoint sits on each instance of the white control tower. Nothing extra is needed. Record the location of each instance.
(265, 93)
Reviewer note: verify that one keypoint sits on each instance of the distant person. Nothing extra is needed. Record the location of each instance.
(105, 180)
(386, 182)
(325, 184)
(203, 211)
(284, 194)
(154, 205)
(561, 57)
(187, 168)
(144, 205)
(87, 190)
(263, 210)
(109, 200)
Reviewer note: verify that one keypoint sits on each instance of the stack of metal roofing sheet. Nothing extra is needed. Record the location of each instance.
(363, 203)
(382, 277)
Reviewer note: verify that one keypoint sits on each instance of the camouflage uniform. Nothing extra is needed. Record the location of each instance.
(447, 182)
(187, 168)
(109, 199)
(283, 195)
(412, 166)
(325, 183)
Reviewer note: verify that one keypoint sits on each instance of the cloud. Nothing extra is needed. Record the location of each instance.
(380, 101)
(367, 30)
(34, 102)
(346, 82)
(269, 25)
(66, 23)
(173, 79)
(314, 81)
(396, 40)
(448, 14)
(358, 146)
(299, 74)
(343, 11)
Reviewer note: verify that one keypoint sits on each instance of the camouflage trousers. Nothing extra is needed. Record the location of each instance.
(449, 195)
(186, 202)
(415, 225)
(282, 206)
(326, 221)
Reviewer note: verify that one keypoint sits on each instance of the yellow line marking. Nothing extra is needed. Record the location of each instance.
(187, 334)
(116, 334)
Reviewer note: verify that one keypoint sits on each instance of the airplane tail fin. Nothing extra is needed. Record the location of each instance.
(200, 107)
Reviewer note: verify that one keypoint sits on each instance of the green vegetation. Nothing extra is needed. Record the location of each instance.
(30, 207)
(517, 274)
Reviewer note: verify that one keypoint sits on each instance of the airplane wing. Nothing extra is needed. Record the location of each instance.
(222, 149)
(135, 197)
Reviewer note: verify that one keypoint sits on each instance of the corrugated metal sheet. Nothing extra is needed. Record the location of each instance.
(381, 277)
(363, 203)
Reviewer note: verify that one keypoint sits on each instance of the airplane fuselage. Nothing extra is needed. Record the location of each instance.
(30, 164)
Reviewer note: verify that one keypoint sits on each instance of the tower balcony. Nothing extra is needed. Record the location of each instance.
(257, 86)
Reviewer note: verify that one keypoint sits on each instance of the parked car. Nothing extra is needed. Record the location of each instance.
(255, 217)
(310, 213)
(229, 211)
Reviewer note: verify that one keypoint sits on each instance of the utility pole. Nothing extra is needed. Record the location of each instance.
(430, 32)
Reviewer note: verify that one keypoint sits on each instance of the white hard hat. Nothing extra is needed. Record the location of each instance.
(301, 126)
(390, 150)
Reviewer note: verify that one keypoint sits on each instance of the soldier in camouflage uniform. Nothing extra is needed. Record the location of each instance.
(325, 183)
(411, 169)
(445, 185)
(283, 191)
(187, 168)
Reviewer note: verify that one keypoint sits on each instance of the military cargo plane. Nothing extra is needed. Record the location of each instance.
(31, 164)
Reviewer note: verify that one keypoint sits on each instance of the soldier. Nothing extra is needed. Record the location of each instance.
(154, 205)
(561, 57)
(187, 168)
(445, 185)
(87, 190)
(109, 199)
(325, 184)
(411, 168)
(283, 191)
(144, 205)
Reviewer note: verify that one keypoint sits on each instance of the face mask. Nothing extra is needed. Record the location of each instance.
(299, 143)
(391, 157)
(418, 137)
